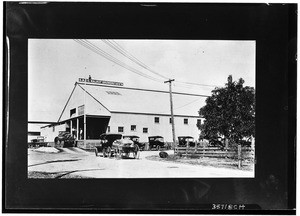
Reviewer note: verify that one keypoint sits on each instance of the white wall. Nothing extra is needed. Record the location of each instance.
(49, 134)
(163, 128)
(77, 99)
(33, 127)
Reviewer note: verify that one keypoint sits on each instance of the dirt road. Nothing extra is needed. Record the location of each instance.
(76, 162)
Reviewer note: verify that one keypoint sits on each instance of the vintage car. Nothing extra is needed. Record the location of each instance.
(217, 142)
(136, 141)
(37, 142)
(156, 142)
(245, 143)
(105, 144)
(184, 140)
(123, 147)
(65, 139)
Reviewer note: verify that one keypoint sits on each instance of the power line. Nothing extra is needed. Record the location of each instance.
(96, 49)
(113, 44)
(128, 55)
(181, 85)
(197, 84)
(176, 108)
(109, 57)
(187, 104)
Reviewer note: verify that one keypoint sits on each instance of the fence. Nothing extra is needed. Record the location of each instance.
(245, 152)
(239, 153)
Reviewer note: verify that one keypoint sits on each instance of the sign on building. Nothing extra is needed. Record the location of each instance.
(100, 82)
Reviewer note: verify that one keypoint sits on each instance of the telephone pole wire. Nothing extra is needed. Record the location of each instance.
(172, 114)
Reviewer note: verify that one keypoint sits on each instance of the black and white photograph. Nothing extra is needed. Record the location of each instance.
(160, 108)
(141, 108)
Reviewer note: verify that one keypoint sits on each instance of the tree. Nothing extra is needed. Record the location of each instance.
(229, 112)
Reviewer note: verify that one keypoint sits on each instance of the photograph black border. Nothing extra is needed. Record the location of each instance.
(272, 26)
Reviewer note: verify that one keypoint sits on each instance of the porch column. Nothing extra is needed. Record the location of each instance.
(71, 132)
(77, 128)
(84, 129)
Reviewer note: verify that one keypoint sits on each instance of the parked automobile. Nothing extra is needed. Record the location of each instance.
(217, 142)
(245, 143)
(105, 145)
(38, 142)
(136, 141)
(156, 142)
(65, 139)
(183, 140)
(124, 146)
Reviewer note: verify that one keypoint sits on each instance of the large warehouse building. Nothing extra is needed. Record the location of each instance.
(129, 111)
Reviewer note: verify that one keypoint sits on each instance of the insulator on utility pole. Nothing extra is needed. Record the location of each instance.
(172, 114)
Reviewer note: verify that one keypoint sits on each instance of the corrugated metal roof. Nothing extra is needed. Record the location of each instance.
(122, 99)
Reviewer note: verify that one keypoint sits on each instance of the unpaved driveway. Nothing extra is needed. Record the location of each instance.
(76, 162)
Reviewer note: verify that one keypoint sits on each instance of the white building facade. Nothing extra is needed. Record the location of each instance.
(93, 109)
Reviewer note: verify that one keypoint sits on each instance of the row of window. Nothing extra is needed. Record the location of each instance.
(145, 130)
(133, 128)
(185, 121)
(80, 111)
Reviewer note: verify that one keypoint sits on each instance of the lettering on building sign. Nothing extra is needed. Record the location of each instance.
(81, 110)
(100, 82)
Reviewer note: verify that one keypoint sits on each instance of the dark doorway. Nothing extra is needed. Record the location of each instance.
(95, 126)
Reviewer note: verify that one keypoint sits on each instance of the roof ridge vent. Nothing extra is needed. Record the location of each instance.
(113, 93)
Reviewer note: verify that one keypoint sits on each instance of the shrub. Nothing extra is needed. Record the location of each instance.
(179, 154)
(194, 156)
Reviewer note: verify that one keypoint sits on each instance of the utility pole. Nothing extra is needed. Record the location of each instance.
(172, 114)
(84, 114)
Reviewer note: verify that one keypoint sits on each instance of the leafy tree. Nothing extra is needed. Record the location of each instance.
(229, 112)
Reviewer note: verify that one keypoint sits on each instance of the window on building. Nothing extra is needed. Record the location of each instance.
(156, 119)
(108, 129)
(120, 129)
(133, 127)
(81, 110)
(199, 122)
(185, 121)
(72, 112)
(145, 130)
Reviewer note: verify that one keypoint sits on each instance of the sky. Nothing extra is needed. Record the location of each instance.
(54, 65)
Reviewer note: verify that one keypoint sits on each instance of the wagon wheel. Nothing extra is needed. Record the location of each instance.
(96, 152)
(120, 153)
(56, 141)
(136, 153)
(158, 148)
(109, 152)
(116, 153)
(104, 152)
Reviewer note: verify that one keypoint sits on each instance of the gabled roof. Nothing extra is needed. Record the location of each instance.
(144, 101)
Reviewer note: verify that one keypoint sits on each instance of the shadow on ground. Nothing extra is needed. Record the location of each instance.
(58, 175)
(56, 161)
